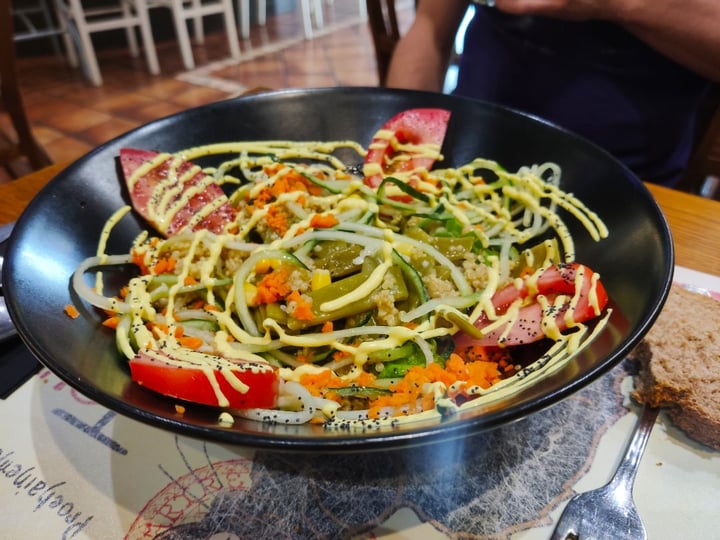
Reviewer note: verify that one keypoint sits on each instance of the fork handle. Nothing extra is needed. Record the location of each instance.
(624, 476)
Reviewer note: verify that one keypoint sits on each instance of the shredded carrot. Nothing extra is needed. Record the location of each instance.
(365, 379)
(316, 383)
(339, 355)
(262, 198)
(211, 307)
(71, 311)
(190, 342)
(408, 392)
(197, 304)
(323, 221)
(273, 287)
(138, 259)
(189, 280)
(327, 327)
(289, 182)
(112, 322)
(302, 307)
(475, 352)
(277, 220)
(159, 330)
(272, 168)
(166, 265)
(483, 374)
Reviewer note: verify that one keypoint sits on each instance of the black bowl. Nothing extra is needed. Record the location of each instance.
(61, 226)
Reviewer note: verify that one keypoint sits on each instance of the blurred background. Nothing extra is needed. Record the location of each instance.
(79, 84)
(69, 116)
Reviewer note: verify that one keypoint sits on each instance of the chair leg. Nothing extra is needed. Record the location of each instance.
(231, 31)
(87, 52)
(48, 23)
(147, 37)
(64, 26)
(318, 12)
(127, 11)
(183, 36)
(362, 9)
(10, 94)
(197, 24)
(262, 12)
(306, 18)
(243, 7)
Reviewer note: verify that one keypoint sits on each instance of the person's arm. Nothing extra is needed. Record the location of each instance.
(695, 44)
(421, 57)
(684, 30)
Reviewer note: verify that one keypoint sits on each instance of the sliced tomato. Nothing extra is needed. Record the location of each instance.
(527, 327)
(416, 126)
(162, 374)
(147, 191)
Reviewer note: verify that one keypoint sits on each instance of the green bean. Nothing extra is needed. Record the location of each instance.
(339, 258)
(453, 247)
(341, 288)
(365, 392)
(395, 363)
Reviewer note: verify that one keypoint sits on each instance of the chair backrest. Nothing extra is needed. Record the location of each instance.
(23, 142)
(382, 19)
(103, 17)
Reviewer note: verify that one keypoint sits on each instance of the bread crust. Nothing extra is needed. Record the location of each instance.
(679, 365)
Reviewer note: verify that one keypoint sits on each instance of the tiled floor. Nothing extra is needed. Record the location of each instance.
(69, 117)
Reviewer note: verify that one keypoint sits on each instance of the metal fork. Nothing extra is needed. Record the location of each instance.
(609, 512)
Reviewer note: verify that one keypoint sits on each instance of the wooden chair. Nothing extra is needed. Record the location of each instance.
(195, 10)
(33, 19)
(382, 19)
(309, 10)
(22, 143)
(123, 14)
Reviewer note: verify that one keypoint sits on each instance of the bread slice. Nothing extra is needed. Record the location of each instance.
(679, 364)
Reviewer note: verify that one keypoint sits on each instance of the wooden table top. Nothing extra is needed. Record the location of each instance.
(694, 221)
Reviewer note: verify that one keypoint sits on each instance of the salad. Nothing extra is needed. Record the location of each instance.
(289, 285)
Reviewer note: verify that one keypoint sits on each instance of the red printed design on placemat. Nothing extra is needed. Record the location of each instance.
(187, 499)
